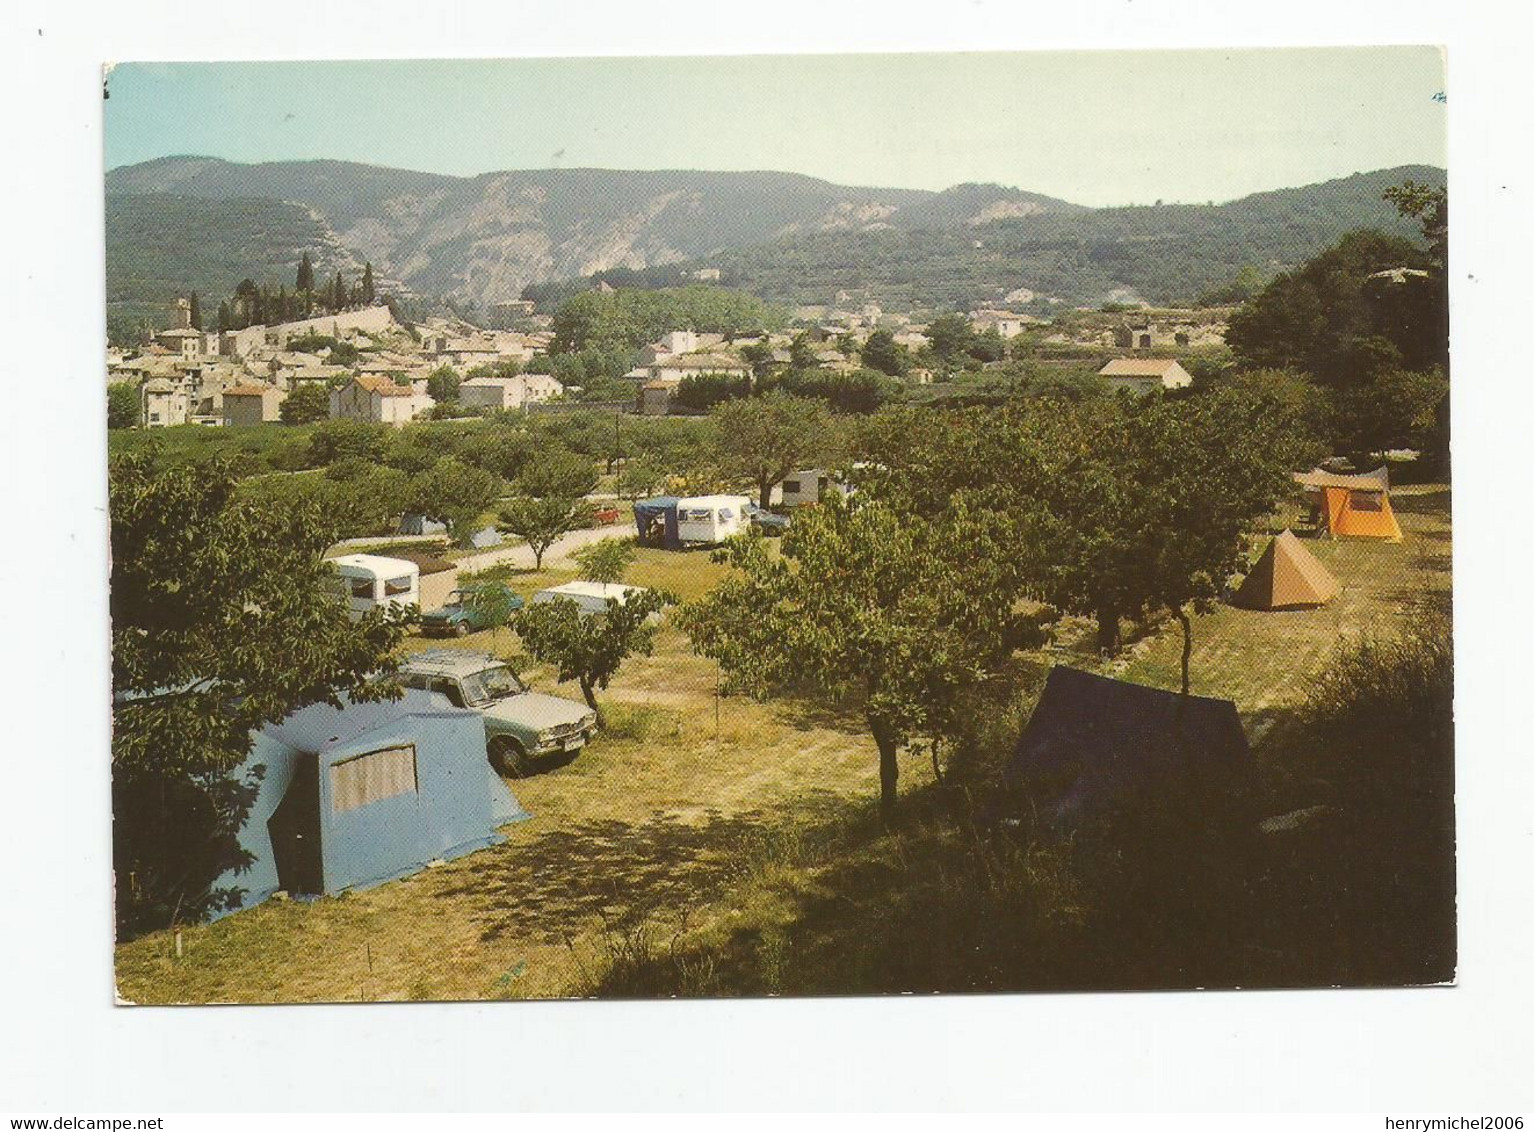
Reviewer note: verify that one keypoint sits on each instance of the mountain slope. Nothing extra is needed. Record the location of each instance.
(160, 245)
(1166, 254)
(785, 236)
(487, 237)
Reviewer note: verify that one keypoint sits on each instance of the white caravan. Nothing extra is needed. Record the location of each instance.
(705, 520)
(368, 581)
(811, 485)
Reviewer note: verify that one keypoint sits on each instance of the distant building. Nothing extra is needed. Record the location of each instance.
(1005, 323)
(1141, 375)
(252, 403)
(674, 369)
(655, 398)
(164, 403)
(378, 399)
(509, 392)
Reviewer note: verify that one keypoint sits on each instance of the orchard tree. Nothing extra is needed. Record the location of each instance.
(540, 521)
(883, 353)
(223, 620)
(767, 438)
(122, 404)
(899, 614)
(589, 648)
(307, 402)
(1152, 513)
(455, 493)
(442, 384)
(605, 561)
(558, 472)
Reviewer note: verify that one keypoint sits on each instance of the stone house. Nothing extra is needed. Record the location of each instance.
(252, 403)
(379, 400)
(1141, 375)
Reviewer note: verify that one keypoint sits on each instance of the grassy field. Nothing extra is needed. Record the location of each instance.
(687, 819)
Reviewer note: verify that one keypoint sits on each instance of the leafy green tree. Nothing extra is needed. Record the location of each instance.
(442, 384)
(539, 521)
(883, 353)
(211, 594)
(701, 392)
(334, 439)
(1328, 316)
(1394, 409)
(767, 438)
(899, 614)
(605, 561)
(307, 402)
(558, 472)
(122, 404)
(639, 477)
(589, 649)
(801, 351)
(225, 318)
(758, 355)
(454, 492)
(950, 337)
(861, 391)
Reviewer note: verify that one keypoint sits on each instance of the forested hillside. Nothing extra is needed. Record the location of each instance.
(1168, 254)
(161, 245)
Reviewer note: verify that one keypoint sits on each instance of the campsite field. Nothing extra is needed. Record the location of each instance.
(662, 825)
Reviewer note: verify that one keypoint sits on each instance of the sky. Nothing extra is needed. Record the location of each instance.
(1097, 128)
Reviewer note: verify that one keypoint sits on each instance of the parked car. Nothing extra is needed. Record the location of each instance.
(769, 522)
(470, 609)
(522, 727)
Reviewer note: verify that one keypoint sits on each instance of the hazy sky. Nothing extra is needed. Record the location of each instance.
(1092, 127)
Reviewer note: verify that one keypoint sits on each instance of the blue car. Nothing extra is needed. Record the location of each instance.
(470, 609)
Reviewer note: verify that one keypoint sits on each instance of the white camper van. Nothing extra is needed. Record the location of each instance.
(590, 597)
(368, 580)
(707, 519)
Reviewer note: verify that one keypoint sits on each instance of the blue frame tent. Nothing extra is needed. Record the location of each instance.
(367, 793)
(661, 509)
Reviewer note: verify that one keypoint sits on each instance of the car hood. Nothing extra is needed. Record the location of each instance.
(534, 709)
(446, 613)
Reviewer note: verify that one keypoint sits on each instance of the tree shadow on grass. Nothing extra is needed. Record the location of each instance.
(622, 872)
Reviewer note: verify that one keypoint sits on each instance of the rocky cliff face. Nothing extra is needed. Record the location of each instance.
(487, 237)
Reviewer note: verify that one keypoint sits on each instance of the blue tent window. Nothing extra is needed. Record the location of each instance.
(372, 777)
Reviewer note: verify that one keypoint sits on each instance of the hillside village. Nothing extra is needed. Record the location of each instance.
(185, 375)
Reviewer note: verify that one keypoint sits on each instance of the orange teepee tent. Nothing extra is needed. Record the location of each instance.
(1287, 576)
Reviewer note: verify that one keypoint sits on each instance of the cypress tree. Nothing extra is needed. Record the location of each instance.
(367, 284)
(305, 275)
(196, 312)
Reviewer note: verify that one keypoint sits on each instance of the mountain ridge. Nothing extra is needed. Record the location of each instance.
(486, 237)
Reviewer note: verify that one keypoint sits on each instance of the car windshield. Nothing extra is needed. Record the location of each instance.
(491, 684)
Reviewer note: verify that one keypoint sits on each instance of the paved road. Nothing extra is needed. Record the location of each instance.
(522, 555)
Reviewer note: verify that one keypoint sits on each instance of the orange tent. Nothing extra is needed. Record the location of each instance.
(1287, 576)
(1353, 506)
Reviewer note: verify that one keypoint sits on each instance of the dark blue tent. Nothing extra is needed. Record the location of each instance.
(659, 511)
(1093, 743)
(353, 797)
